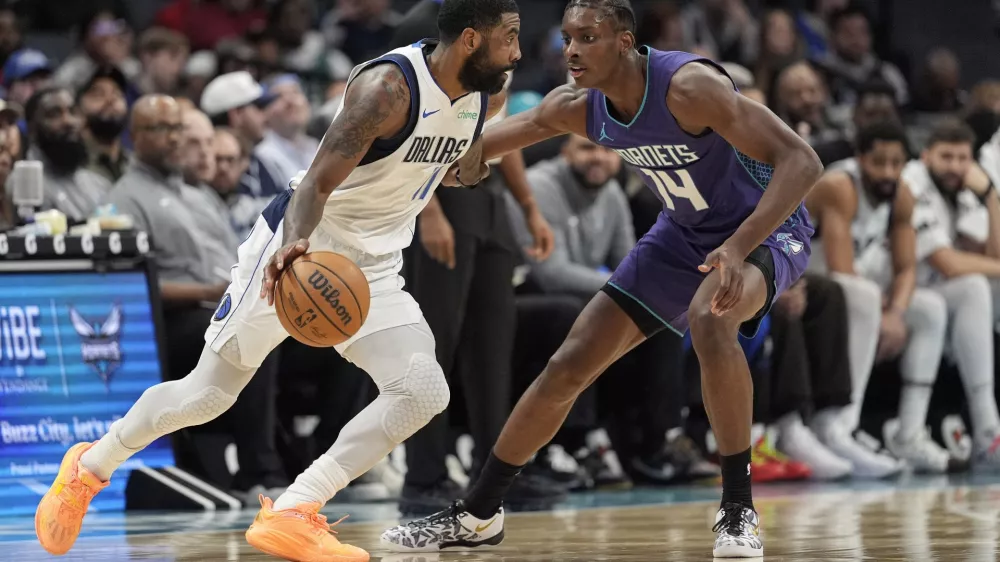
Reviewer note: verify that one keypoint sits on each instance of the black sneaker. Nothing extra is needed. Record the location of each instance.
(678, 461)
(603, 468)
(555, 464)
(452, 528)
(416, 501)
(532, 492)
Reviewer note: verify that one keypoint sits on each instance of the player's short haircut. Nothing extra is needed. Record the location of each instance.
(883, 131)
(851, 10)
(620, 11)
(951, 132)
(482, 15)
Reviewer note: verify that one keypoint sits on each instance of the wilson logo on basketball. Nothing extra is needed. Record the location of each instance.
(330, 295)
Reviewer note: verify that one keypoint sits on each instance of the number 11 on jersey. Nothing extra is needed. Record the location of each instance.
(666, 186)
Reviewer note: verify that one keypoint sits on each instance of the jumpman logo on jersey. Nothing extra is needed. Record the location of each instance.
(603, 134)
(789, 245)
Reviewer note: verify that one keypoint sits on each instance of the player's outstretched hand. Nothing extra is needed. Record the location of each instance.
(272, 270)
(730, 266)
(542, 235)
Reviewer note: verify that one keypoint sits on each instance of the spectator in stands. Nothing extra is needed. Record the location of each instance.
(286, 148)
(25, 72)
(232, 159)
(105, 40)
(236, 100)
(198, 169)
(852, 62)
(938, 87)
(55, 138)
(801, 100)
(813, 23)
(868, 241)
(200, 69)
(580, 196)
(163, 54)
(957, 219)
(234, 55)
(150, 191)
(985, 96)
(301, 47)
(725, 27)
(361, 28)
(103, 106)
(10, 32)
(207, 22)
(875, 103)
(780, 46)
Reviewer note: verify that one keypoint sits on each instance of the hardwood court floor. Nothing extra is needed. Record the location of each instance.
(924, 520)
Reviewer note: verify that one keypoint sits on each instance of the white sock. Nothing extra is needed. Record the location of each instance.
(107, 454)
(913, 403)
(969, 301)
(318, 484)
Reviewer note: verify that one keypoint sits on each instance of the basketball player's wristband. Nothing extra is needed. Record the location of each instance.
(458, 177)
(986, 194)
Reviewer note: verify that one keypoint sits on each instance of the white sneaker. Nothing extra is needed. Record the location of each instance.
(737, 531)
(798, 442)
(923, 454)
(986, 453)
(865, 463)
(451, 528)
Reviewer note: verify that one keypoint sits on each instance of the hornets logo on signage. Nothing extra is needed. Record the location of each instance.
(224, 306)
(99, 342)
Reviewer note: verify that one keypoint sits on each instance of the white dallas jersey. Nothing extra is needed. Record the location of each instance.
(869, 230)
(938, 222)
(375, 208)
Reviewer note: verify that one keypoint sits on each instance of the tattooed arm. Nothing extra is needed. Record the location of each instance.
(376, 105)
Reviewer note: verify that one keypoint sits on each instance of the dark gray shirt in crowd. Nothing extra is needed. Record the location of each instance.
(593, 229)
(76, 195)
(160, 206)
(212, 217)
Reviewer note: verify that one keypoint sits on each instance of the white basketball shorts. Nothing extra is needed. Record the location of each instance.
(243, 315)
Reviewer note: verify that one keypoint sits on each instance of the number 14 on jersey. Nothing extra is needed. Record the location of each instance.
(668, 187)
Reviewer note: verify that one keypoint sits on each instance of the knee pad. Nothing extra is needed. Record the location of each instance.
(202, 407)
(421, 394)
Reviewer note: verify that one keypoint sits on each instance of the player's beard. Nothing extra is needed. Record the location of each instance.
(65, 153)
(948, 184)
(477, 75)
(881, 190)
(105, 128)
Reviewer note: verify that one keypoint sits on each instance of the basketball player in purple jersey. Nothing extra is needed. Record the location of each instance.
(732, 236)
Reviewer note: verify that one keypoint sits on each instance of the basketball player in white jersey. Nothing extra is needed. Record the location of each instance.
(866, 217)
(406, 119)
(957, 217)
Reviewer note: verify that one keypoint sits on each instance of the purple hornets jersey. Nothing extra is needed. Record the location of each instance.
(705, 184)
(708, 188)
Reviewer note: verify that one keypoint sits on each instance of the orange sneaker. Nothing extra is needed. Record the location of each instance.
(300, 534)
(60, 513)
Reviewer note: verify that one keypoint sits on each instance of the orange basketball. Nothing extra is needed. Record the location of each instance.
(322, 299)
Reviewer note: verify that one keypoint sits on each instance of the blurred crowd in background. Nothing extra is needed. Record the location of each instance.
(259, 83)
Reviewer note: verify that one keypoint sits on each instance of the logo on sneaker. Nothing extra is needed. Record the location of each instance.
(481, 528)
(748, 469)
